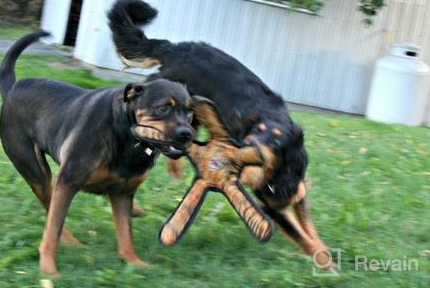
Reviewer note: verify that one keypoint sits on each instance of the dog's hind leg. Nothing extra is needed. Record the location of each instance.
(63, 194)
(34, 169)
(23, 154)
(41, 185)
(175, 168)
(44, 194)
(31, 163)
(122, 203)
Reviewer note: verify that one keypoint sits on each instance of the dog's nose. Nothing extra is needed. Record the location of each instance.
(184, 134)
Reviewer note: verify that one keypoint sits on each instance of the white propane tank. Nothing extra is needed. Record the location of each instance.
(399, 87)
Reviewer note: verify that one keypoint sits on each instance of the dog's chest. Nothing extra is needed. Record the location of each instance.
(103, 181)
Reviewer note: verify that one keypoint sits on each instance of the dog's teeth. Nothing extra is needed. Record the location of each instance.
(174, 149)
(271, 188)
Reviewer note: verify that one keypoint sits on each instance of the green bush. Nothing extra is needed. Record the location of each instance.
(369, 8)
(20, 11)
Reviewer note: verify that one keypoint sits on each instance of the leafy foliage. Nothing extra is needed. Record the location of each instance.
(20, 11)
(369, 8)
(311, 5)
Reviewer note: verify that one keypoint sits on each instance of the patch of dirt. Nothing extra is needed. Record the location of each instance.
(70, 64)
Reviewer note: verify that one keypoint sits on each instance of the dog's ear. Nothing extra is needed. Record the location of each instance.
(132, 90)
(295, 136)
(199, 100)
(207, 115)
(202, 105)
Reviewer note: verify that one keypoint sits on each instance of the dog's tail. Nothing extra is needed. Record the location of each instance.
(135, 49)
(7, 68)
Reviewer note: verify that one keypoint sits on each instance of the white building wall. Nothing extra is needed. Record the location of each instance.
(93, 42)
(55, 16)
(323, 61)
(427, 114)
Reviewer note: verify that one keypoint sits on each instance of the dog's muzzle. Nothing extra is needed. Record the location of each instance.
(157, 139)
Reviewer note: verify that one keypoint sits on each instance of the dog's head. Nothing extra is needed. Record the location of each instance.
(285, 159)
(161, 115)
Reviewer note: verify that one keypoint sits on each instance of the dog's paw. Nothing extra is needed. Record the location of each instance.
(323, 259)
(48, 266)
(134, 260)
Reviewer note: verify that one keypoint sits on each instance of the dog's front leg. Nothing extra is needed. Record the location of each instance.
(60, 202)
(292, 229)
(122, 203)
(302, 212)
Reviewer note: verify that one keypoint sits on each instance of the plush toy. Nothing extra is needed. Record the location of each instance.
(218, 164)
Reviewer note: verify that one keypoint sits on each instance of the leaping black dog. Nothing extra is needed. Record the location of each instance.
(91, 134)
(247, 105)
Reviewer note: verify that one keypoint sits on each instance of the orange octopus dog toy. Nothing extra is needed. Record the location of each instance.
(218, 163)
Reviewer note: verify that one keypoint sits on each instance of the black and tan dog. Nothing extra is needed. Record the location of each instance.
(91, 134)
(246, 104)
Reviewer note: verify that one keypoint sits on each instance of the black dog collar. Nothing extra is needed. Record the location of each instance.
(153, 144)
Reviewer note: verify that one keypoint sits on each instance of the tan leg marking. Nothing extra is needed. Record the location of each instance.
(308, 245)
(58, 208)
(121, 207)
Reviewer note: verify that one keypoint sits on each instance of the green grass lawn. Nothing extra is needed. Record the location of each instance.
(13, 32)
(370, 196)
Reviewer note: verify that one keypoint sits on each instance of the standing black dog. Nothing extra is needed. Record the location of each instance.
(88, 133)
(247, 105)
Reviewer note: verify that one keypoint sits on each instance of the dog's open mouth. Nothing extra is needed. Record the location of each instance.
(158, 140)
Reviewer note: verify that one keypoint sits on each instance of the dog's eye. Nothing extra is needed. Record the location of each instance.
(190, 116)
(163, 110)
